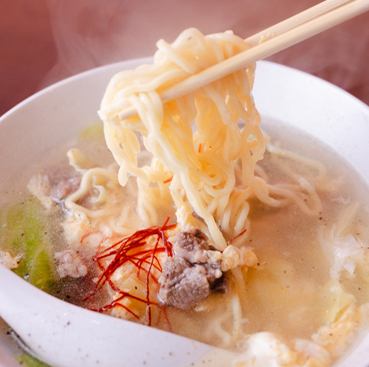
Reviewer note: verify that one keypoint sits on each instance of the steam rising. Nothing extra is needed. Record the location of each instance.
(90, 33)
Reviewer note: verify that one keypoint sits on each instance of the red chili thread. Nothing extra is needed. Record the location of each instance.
(168, 180)
(134, 250)
(239, 235)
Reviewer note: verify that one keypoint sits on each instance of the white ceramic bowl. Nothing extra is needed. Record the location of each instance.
(51, 117)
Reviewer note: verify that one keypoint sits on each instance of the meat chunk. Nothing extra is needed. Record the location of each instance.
(192, 273)
(64, 187)
(183, 286)
(9, 261)
(70, 264)
(53, 188)
(192, 246)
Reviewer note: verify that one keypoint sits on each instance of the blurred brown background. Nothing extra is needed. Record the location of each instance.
(42, 41)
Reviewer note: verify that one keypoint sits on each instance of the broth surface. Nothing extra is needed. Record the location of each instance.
(289, 293)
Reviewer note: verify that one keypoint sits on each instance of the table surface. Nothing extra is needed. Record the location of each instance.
(47, 40)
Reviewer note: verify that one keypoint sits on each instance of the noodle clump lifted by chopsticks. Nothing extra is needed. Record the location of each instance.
(204, 146)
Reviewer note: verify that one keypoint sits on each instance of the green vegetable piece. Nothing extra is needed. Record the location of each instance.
(26, 234)
(29, 361)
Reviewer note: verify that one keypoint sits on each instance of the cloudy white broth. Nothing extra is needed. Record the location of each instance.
(197, 217)
(306, 289)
